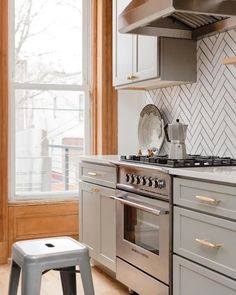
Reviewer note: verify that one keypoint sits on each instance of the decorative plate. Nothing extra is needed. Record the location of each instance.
(150, 129)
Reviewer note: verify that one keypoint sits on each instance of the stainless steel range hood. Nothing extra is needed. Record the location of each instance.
(190, 19)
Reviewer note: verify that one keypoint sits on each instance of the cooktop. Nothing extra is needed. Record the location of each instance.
(190, 161)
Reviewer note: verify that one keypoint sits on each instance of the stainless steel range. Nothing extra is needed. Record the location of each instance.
(143, 229)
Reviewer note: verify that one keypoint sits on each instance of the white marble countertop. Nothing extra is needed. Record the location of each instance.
(220, 174)
(106, 160)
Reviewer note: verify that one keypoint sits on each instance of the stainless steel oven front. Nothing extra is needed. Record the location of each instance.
(143, 239)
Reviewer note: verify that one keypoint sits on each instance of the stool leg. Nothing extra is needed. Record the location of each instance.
(31, 280)
(86, 276)
(14, 278)
(68, 280)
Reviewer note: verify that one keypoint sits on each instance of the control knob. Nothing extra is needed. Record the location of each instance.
(129, 178)
(148, 181)
(161, 183)
(136, 179)
(142, 181)
(154, 183)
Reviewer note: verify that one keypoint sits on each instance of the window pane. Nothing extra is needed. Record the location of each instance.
(49, 138)
(48, 41)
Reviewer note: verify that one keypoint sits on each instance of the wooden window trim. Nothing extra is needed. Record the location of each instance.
(3, 129)
(104, 96)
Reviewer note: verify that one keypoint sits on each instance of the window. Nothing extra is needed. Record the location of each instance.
(49, 86)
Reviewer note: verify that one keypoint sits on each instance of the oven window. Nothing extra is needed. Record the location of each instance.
(141, 228)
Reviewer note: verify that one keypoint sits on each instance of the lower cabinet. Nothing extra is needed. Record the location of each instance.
(192, 279)
(98, 223)
(204, 238)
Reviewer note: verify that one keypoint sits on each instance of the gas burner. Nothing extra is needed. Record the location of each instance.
(190, 161)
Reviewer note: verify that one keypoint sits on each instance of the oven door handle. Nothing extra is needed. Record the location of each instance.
(156, 211)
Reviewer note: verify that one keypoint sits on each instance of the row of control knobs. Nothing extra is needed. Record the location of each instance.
(145, 181)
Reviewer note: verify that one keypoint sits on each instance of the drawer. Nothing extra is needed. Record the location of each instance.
(139, 281)
(192, 279)
(207, 197)
(98, 174)
(208, 240)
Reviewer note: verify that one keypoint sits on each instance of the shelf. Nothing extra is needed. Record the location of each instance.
(230, 60)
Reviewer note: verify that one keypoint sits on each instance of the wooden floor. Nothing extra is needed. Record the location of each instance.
(103, 284)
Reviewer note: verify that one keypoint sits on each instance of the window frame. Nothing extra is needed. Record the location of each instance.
(12, 86)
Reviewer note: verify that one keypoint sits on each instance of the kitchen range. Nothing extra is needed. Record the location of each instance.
(143, 229)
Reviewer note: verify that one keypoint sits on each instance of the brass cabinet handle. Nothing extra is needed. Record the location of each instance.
(92, 173)
(95, 190)
(208, 200)
(132, 77)
(208, 244)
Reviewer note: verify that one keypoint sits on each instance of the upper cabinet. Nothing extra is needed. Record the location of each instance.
(150, 62)
(145, 66)
(122, 48)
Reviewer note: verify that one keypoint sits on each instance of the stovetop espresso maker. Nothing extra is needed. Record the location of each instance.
(176, 134)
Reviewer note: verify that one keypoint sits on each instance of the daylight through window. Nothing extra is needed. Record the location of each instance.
(49, 94)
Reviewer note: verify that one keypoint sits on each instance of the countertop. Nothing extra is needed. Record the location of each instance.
(105, 160)
(224, 174)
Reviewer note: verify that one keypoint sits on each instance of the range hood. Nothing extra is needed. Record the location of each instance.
(189, 19)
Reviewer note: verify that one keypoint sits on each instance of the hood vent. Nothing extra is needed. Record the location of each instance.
(188, 19)
(196, 21)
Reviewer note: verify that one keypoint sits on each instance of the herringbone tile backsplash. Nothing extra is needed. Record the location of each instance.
(208, 106)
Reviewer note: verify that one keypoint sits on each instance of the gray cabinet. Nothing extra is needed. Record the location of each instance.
(97, 216)
(107, 228)
(122, 48)
(212, 198)
(145, 58)
(208, 240)
(192, 279)
(146, 61)
(205, 234)
(88, 217)
(98, 174)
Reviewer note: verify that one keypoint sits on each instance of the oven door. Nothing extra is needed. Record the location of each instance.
(143, 233)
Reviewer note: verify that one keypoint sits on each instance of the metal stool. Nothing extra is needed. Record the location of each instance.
(35, 257)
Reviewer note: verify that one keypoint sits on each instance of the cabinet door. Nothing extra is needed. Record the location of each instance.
(192, 279)
(88, 229)
(122, 48)
(145, 58)
(107, 229)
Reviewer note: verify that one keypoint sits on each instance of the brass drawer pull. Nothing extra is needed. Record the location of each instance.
(95, 190)
(132, 77)
(92, 174)
(208, 244)
(208, 200)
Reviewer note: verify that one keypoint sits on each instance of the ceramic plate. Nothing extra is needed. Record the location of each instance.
(151, 128)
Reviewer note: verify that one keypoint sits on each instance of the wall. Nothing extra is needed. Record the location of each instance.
(208, 106)
(130, 104)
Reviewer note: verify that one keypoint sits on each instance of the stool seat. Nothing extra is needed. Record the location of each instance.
(34, 257)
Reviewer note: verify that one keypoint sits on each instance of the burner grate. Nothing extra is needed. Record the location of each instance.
(191, 161)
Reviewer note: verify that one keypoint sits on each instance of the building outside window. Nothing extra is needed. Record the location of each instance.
(49, 88)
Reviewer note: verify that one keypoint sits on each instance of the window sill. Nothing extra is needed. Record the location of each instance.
(42, 201)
